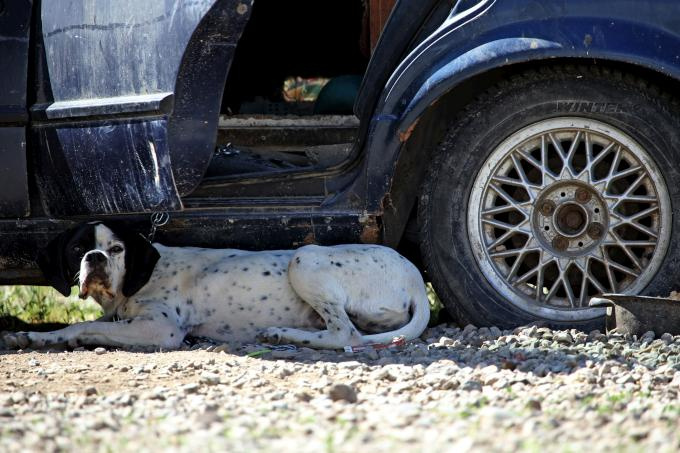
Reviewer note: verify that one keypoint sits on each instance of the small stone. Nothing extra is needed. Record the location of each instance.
(469, 330)
(445, 341)
(350, 365)
(495, 332)
(343, 392)
(562, 336)
(224, 347)
(159, 393)
(284, 354)
(191, 387)
(303, 396)
(209, 378)
(647, 337)
(90, 391)
(100, 351)
(17, 397)
(384, 373)
(534, 404)
(471, 385)
(371, 354)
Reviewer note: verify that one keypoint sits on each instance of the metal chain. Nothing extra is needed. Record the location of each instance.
(158, 219)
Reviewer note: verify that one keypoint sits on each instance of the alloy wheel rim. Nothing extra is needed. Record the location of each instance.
(566, 209)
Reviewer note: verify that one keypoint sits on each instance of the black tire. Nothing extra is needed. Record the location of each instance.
(627, 103)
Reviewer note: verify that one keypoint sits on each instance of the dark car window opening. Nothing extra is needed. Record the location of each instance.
(288, 100)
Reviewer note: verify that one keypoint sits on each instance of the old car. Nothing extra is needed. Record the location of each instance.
(525, 153)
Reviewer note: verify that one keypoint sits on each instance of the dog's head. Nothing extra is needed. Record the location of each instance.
(104, 260)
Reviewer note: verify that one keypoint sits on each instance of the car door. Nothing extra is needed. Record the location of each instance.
(127, 100)
(15, 26)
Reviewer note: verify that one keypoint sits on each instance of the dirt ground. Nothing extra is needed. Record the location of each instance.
(454, 389)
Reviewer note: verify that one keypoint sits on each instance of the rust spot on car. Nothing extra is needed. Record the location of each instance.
(404, 136)
(370, 233)
(386, 203)
(309, 239)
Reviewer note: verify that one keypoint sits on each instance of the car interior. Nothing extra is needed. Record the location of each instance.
(288, 100)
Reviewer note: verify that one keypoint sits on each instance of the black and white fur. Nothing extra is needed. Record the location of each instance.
(153, 295)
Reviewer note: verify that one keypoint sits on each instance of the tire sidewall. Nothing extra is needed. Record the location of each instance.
(452, 264)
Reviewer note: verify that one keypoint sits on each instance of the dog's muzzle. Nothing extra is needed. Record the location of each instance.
(93, 275)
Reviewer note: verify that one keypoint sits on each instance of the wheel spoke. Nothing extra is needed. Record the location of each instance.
(597, 284)
(622, 268)
(633, 198)
(612, 168)
(639, 227)
(513, 252)
(515, 229)
(508, 199)
(548, 175)
(531, 189)
(499, 224)
(499, 210)
(625, 173)
(515, 266)
(540, 277)
(628, 191)
(564, 155)
(627, 251)
(570, 292)
(572, 150)
(642, 214)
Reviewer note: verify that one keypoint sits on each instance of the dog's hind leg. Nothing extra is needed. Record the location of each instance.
(326, 296)
(339, 331)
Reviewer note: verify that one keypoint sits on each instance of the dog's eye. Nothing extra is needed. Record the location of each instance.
(115, 249)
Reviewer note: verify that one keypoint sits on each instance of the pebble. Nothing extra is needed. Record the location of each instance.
(100, 351)
(221, 348)
(209, 378)
(283, 354)
(343, 392)
(90, 391)
(563, 337)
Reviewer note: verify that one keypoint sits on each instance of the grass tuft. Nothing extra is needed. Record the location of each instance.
(42, 304)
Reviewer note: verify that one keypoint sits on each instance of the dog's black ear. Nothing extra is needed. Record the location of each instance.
(52, 263)
(140, 260)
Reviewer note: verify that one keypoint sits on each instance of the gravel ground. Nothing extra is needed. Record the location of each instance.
(454, 390)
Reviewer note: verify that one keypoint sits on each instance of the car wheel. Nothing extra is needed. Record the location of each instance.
(552, 188)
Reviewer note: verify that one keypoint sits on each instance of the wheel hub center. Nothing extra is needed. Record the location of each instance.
(570, 219)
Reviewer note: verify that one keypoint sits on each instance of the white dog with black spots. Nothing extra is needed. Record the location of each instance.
(153, 295)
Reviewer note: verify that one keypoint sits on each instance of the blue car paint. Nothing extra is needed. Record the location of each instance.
(428, 48)
(128, 126)
(494, 33)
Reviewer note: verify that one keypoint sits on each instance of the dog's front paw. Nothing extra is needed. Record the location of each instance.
(16, 340)
(271, 335)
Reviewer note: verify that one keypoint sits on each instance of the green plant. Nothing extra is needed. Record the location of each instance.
(435, 304)
(34, 304)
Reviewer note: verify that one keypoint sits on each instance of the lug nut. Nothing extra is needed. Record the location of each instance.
(560, 243)
(582, 195)
(595, 230)
(547, 207)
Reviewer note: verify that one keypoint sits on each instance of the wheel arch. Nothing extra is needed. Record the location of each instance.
(418, 138)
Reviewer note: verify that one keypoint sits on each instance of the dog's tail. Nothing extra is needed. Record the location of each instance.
(420, 307)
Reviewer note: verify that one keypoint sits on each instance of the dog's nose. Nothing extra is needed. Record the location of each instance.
(95, 257)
